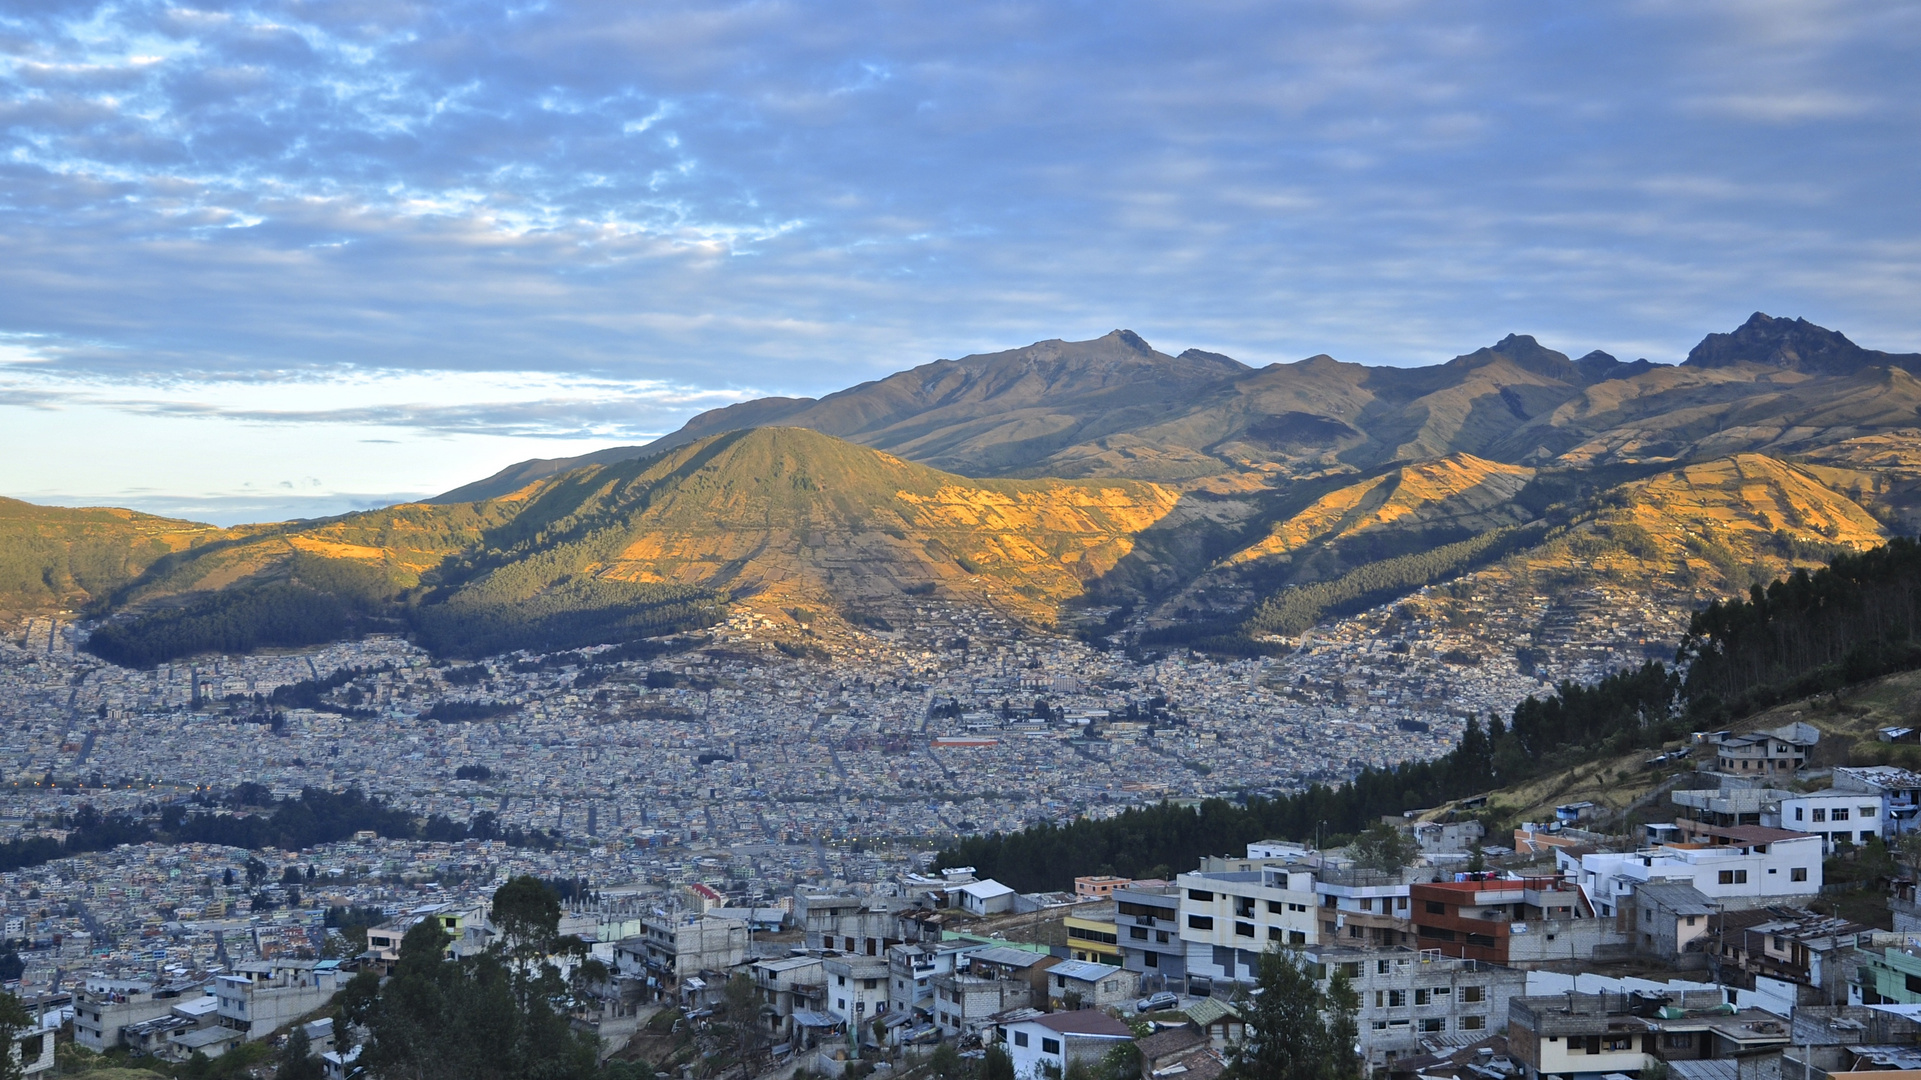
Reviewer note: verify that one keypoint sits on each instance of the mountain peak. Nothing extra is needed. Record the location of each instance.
(1794, 344)
(1130, 339)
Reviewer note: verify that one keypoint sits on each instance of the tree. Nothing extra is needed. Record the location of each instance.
(527, 913)
(1384, 847)
(296, 1058)
(1295, 1032)
(743, 1018)
(996, 1063)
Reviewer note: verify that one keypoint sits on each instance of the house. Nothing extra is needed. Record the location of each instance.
(856, 987)
(1668, 916)
(1899, 789)
(1008, 962)
(467, 926)
(1740, 866)
(102, 1007)
(1411, 999)
(1050, 1044)
(1781, 751)
(675, 949)
(788, 986)
(1792, 945)
(1098, 886)
(988, 897)
(966, 1004)
(852, 924)
(259, 998)
(1219, 1020)
(1079, 984)
(911, 970)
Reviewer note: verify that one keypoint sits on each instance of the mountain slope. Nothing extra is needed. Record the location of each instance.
(53, 558)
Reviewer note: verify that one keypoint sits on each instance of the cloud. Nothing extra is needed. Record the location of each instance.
(652, 203)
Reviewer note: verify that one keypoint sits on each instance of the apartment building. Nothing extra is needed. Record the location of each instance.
(1093, 933)
(1407, 997)
(1366, 907)
(1148, 931)
(675, 949)
(1576, 1036)
(1514, 922)
(1229, 917)
(857, 989)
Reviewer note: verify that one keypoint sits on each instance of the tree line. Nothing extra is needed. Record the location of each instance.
(1853, 620)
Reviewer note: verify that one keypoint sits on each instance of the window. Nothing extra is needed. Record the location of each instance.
(1152, 959)
(1471, 994)
(1273, 933)
(1050, 1046)
(1421, 996)
(1138, 933)
(1382, 967)
(868, 984)
(1020, 1038)
(1435, 907)
(840, 980)
(1297, 937)
(1244, 907)
(841, 1004)
(1840, 814)
(1161, 936)
(1820, 814)
(1200, 895)
(1868, 812)
(1367, 904)
(1799, 873)
(1867, 835)
(1380, 1025)
(1619, 1042)
(1678, 1040)
(1473, 1023)
(1243, 929)
(1733, 877)
(1351, 969)
(1275, 907)
(1380, 999)
(1691, 919)
(1396, 999)
(1434, 1023)
(1401, 902)
(1297, 907)
(1799, 813)
(1480, 941)
(1200, 922)
(1740, 877)
(1435, 933)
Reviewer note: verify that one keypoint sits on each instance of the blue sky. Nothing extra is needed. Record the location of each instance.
(273, 258)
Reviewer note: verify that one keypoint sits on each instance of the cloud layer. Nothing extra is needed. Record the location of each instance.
(705, 199)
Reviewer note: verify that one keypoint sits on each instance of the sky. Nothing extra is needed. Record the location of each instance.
(261, 260)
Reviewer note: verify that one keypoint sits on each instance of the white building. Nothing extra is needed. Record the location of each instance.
(1900, 792)
(1048, 1044)
(1228, 918)
(856, 987)
(988, 897)
(1837, 817)
(1752, 867)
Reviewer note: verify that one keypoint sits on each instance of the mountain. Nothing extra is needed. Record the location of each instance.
(1117, 407)
(795, 521)
(1794, 344)
(1197, 499)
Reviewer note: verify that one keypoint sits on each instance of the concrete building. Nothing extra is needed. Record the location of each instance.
(102, 1007)
(1048, 1045)
(988, 897)
(1900, 792)
(1229, 917)
(1578, 1036)
(1514, 922)
(1093, 934)
(857, 989)
(259, 998)
(1745, 866)
(1078, 984)
(965, 1004)
(677, 949)
(1407, 997)
(1668, 916)
(1147, 928)
(787, 987)
(1366, 907)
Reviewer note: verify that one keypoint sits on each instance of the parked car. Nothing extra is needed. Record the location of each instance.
(1156, 1002)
